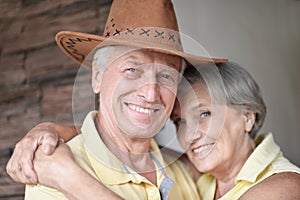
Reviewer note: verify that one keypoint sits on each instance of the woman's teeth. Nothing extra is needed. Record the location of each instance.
(203, 148)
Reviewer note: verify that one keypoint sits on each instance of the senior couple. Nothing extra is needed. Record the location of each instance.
(143, 77)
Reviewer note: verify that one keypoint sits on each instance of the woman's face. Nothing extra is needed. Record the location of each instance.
(215, 136)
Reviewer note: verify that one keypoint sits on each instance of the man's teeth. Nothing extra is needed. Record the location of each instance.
(203, 148)
(141, 110)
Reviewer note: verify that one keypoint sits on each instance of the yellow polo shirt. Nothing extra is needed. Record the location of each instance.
(174, 181)
(266, 160)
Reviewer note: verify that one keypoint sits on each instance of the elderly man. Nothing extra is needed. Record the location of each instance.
(136, 67)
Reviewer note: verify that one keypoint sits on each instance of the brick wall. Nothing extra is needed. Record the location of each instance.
(36, 78)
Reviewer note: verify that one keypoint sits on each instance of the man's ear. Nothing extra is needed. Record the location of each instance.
(96, 78)
(249, 120)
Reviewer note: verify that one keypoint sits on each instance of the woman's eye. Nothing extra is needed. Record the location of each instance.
(166, 76)
(205, 114)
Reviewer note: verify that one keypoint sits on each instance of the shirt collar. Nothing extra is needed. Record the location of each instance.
(264, 153)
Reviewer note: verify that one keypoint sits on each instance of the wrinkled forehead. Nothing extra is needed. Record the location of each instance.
(146, 56)
(190, 96)
(191, 91)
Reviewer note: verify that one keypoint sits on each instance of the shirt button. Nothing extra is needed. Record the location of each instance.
(152, 192)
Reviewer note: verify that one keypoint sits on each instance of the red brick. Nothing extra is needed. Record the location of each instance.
(45, 6)
(11, 62)
(10, 8)
(10, 30)
(33, 37)
(11, 70)
(56, 100)
(42, 62)
(15, 100)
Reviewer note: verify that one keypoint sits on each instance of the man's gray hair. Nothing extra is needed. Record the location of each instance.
(237, 86)
(103, 56)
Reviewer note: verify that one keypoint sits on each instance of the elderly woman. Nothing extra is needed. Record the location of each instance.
(218, 114)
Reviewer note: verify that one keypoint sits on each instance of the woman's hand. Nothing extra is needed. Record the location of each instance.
(46, 135)
(53, 170)
(20, 167)
(60, 171)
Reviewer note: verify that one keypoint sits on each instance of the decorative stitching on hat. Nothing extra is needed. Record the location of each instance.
(71, 45)
(74, 41)
(171, 37)
(145, 32)
(117, 32)
(129, 31)
(159, 34)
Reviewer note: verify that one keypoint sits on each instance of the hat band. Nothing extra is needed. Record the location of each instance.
(150, 37)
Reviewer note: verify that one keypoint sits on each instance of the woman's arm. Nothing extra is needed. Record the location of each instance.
(47, 134)
(285, 185)
(59, 170)
(53, 164)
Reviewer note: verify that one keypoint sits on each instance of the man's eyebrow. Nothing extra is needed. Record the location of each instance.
(133, 59)
(134, 62)
(173, 66)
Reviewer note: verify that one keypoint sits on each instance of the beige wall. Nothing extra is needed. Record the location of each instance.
(264, 37)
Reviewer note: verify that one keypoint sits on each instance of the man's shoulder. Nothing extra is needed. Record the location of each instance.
(76, 143)
(42, 192)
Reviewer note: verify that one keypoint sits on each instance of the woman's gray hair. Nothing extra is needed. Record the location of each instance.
(239, 88)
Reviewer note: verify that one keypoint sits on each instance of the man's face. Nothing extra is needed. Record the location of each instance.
(137, 92)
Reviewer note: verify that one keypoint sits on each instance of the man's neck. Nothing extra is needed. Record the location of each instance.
(134, 152)
(116, 140)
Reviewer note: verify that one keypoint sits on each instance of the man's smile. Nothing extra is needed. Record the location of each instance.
(141, 109)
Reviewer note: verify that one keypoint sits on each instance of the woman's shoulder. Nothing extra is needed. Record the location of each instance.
(285, 185)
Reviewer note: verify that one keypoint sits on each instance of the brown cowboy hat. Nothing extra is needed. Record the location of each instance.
(147, 24)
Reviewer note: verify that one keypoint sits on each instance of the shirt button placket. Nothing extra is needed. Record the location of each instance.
(152, 193)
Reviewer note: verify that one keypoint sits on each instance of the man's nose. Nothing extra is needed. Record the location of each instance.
(149, 92)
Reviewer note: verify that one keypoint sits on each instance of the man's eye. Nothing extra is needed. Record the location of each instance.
(167, 79)
(131, 70)
(133, 73)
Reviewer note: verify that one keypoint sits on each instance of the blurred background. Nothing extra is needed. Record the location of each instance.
(37, 79)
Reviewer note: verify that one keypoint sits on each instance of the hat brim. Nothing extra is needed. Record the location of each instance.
(79, 47)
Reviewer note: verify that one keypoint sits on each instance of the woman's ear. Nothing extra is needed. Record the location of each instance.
(96, 78)
(249, 121)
